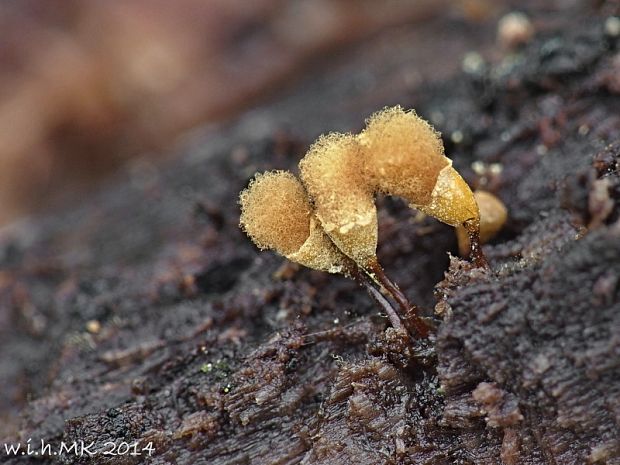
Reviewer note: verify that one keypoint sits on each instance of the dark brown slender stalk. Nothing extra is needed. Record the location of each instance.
(360, 276)
(410, 313)
(475, 249)
(391, 313)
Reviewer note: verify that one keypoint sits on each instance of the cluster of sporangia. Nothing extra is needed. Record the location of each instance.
(328, 220)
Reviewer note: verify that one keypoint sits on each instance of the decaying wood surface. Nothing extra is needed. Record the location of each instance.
(162, 324)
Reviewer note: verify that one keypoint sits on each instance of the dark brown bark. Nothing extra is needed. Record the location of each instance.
(219, 354)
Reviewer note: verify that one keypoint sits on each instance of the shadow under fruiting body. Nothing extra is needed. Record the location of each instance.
(328, 221)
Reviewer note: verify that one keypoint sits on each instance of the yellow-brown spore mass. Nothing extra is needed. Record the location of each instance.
(332, 172)
(403, 154)
(276, 214)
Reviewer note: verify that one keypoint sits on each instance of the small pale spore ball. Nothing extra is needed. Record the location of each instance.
(514, 30)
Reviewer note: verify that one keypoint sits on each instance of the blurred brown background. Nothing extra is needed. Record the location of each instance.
(87, 84)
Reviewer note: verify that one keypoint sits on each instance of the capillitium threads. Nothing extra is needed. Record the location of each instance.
(276, 214)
